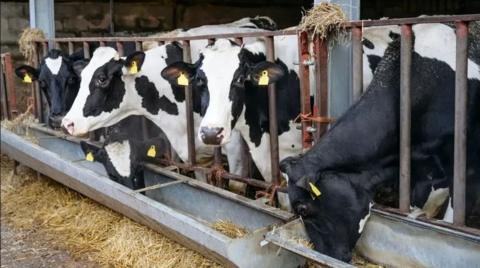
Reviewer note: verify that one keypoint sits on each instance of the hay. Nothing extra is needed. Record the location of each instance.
(85, 228)
(325, 20)
(19, 125)
(26, 44)
(229, 229)
(360, 262)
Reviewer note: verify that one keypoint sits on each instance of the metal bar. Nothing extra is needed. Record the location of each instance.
(272, 114)
(321, 81)
(460, 140)
(44, 48)
(3, 93)
(110, 12)
(158, 186)
(57, 45)
(357, 63)
(10, 85)
(102, 43)
(304, 71)
(405, 116)
(414, 20)
(138, 46)
(37, 94)
(120, 49)
(71, 48)
(187, 57)
(86, 50)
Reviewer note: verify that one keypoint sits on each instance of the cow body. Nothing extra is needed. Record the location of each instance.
(367, 134)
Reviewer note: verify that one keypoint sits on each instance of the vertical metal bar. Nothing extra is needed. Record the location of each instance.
(102, 43)
(110, 11)
(120, 49)
(189, 108)
(71, 48)
(10, 85)
(37, 95)
(86, 50)
(304, 70)
(460, 140)
(405, 116)
(57, 45)
(321, 81)
(3, 92)
(272, 114)
(45, 48)
(138, 46)
(239, 40)
(357, 63)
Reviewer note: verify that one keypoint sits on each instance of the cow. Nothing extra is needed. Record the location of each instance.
(367, 134)
(113, 88)
(57, 79)
(122, 157)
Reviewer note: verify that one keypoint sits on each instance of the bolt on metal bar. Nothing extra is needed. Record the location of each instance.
(460, 140)
(187, 57)
(405, 116)
(304, 71)
(272, 114)
(86, 50)
(120, 50)
(357, 63)
(321, 81)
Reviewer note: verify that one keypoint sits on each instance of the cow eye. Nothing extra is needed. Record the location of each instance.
(102, 80)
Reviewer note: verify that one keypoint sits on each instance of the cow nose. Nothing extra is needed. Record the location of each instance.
(302, 210)
(55, 121)
(211, 135)
(68, 126)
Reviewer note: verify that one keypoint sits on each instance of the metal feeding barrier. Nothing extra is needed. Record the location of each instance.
(317, 122)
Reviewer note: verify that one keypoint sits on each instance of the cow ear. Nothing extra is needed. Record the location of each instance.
(179, 73)
(265, 73)
(78, 66)
(27, 73)
(134, 62)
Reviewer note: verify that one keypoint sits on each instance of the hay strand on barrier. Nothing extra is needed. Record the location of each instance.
(325, 20)
(229, 229)
(26, 44)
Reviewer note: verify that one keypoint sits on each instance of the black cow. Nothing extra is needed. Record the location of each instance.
(368, 134)
(59, 80)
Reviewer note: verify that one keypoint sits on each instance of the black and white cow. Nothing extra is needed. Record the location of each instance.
(110, 91)
(367, 134)
(58, 81)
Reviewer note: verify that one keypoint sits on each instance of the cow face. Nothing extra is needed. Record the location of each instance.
(335, 206)
(103, 99)
(58, 81)
(229, 72)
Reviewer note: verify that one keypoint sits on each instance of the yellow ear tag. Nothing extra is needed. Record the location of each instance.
(27, 79)
(89, 157)
(314, 189)
(182, 80)
(133, 68)
(151, 151)
(263, 81)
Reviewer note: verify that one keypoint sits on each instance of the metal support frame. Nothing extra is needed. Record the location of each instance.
(304, 75)
(8, 95)
(320, 47)
(357, 63)
(187, 57)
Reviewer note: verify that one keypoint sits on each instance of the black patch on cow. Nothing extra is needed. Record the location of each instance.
(367, 43)
(255, 98)
(264, 23)
(373, 61)
(151, 99)
(106, 89)
(394, 36)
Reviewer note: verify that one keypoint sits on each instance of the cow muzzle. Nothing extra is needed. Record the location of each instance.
(68, 126)
(212, 135)
(55, 121)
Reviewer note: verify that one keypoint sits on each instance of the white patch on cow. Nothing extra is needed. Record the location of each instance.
(448, 217)
(54, 64)
(435, 200)
(119, 155)
(362, 222)
(438, 41)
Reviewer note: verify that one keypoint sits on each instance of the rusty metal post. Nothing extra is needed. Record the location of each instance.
(272, 114)
(187, 57)
(9, 83)
(3, 93)
(86, 50)
(71, 48)
(321, 81)
(357, 63)
(304, 71)
(37, 94)
(120, 49)
(460, 140)
(405, 116)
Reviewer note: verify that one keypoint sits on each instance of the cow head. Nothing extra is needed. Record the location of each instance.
(334, 207)
(103, 98)
(230, 73)
(58, 80)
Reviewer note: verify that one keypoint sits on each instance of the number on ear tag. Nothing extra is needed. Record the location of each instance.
(264, 79)
(133, 68)
(182, 80)
(152, 152)
(89, 157)
(314, 189)
(27, 79)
